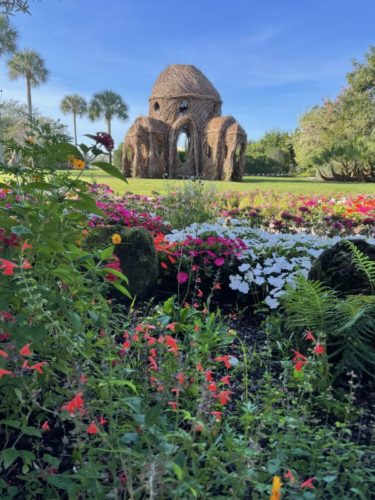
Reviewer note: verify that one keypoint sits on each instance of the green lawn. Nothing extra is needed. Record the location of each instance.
(279, 184)
(282, 185)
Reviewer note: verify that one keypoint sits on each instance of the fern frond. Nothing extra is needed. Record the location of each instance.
(362, 262)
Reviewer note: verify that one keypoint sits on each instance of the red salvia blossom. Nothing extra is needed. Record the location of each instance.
(224, 359)
(7, 266)
(45, 426)
(38, 367)
(153, 363)
(92, 428)
(200, 367)
(25, 246)
(180, 378)
(4, 372)
(4, 354)
(102, 420)
(173, 405)
(308, 483)
(25, 351)
(223, 397)
(225, 380)
(289, 475)
(218, 415)
(76, 404)
(212, 387)
(309, 336)
(208, 376)
(171, 343)
(172, 326)
(319, 349)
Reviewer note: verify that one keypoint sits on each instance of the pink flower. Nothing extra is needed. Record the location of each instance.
(219, 261)
(182, 277)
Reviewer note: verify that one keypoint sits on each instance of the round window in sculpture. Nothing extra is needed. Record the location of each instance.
(183, 107)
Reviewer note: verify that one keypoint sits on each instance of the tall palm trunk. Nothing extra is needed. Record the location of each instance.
(29, 103)
(75, 127)
(109, 130)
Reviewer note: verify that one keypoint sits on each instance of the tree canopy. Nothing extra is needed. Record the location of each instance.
(337, 138)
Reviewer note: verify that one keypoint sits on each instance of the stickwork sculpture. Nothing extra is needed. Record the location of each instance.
(184, 134)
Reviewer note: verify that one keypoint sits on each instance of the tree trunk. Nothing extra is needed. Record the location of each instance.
(75, 128)
(109, 130)
(29, 103)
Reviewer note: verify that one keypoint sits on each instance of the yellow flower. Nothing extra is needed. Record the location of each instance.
(76, 163)
(276, 488)
(116, 239)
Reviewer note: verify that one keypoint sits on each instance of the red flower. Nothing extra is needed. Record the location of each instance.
(223, 397)
(180, 378)
(76, 404)
(308, 483)
(200, 367)
(102, 420)
(172, 343)
(225, 359)
(92, 428)
(212, 387)
(4, 372)
(38, 367)
(299, 361)
(217, 415)
(225, 380)
(153, 363)
(8, 267)
(25, 246)
(26, 264)
(176, 390)
(172, 326)
(319, 349)
(25, 351)
(208, 375)
(45, 426)
(4, 354)
(309, 336)
(200, 293)
(163, 265)
(173, 405)
(289, 475)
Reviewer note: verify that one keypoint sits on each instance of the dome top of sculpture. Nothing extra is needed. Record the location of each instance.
(183, 80)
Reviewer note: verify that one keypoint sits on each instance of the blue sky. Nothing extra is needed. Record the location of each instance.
(270, 60)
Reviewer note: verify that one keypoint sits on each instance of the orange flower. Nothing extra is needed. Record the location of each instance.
(276, 488)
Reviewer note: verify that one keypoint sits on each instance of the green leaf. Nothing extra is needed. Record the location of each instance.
(117, 273)
(75, 319)
(66, 149)
(121, 289)
(119, 382)
(330, 478)
(9, 456)
(273, 466)
(86, 205)
(152, 415)
(178, 471)
(110, 169)
(107, 253)
(129, 437)
(31, 431)
(43, 186)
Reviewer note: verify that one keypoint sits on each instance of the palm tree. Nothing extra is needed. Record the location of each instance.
(109, 105)
(8, 36)
(31, 66)
(77, 106)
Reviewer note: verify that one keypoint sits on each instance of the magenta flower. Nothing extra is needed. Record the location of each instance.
(182, 277)
(219, 261)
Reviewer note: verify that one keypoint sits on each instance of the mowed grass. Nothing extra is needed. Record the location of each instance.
(284, 185)
(278, 184)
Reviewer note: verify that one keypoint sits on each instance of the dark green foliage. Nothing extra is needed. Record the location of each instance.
(339, 267)
(273, 155)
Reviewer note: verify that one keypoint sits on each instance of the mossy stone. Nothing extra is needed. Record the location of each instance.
(336, 269)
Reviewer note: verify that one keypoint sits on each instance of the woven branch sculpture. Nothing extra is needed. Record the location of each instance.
(184, 134)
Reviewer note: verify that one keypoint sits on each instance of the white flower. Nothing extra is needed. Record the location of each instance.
(244, 267)
(271, 303)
